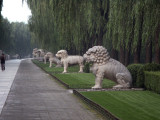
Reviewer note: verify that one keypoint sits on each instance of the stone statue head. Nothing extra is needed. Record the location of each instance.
(35, 50)
(62, 54)
(97, 54)
(49, 54)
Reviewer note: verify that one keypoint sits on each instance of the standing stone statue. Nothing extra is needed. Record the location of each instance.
(53, 59)
(45, 58)
(34, 53)
(106, 67)
(66, 60)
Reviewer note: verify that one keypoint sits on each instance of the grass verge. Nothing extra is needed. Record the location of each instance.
(128, 105)
(82, 80)
(74, 79)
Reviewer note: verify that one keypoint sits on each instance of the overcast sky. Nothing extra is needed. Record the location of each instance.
(15, 11)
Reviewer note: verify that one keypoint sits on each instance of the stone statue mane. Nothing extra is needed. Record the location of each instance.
(106, 67)
(67, 59)
(53, 59)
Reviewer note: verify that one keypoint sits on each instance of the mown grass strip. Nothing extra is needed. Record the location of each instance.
(82, 80)
(74, 79)
(101, 110)
(128, 105)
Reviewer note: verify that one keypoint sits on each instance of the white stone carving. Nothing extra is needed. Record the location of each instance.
(106, 67)
(53, 59)
(66, 60)
(45, 58)
(34, 53)
(38, 54)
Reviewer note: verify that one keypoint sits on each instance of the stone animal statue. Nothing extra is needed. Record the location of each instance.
(106, 67)
(41, 52)
(45, 58)
(34, 53)
(53, 59)
(66, 60)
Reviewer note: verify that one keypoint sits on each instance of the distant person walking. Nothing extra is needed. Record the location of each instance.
(3, 62)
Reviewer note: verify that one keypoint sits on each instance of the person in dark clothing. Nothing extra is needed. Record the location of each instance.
(3, 62)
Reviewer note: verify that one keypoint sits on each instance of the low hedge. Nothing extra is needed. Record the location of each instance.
(133, 68)
(152, 81)
(147, 67)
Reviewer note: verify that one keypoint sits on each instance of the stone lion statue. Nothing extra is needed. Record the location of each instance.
(45, 58)
(106, 67)
(41, 52)
(66, 60)
(34, 53)
(53, 59)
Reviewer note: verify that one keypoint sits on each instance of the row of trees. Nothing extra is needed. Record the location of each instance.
(129, 29)
(15, 38)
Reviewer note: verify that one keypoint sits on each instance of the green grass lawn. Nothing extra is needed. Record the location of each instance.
(73, 78)
(128, 105)
(54, 69)
(82, 80)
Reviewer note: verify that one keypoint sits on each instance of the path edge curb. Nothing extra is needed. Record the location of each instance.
(94, 105)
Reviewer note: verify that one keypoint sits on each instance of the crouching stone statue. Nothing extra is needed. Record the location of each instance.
(106, 67)
(53, 59)
(66, 60)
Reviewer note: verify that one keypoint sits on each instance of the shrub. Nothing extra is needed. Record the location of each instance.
(86, 67)
(133, 68)
(152, 81)
(147, 67)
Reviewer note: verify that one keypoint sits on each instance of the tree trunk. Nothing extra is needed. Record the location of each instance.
(138, 49)
(149, 52)
(137, 56)
(100, 37)
(114, 54)
(157, 52)
(157, 48)
(127, 57)
(122, 55)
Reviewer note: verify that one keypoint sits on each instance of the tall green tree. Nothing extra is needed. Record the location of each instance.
(126, 28)
(15, 38)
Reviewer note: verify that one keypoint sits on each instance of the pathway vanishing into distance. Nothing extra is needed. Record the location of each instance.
(34, 95)
(6, 79)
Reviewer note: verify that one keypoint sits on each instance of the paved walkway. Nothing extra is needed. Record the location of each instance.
(35, 96)
(6, 80)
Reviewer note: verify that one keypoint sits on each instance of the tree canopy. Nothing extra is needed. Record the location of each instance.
(128, 27)
(15, 38)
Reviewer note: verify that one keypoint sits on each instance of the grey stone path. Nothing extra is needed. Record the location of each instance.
(6, 80)
(35, 96)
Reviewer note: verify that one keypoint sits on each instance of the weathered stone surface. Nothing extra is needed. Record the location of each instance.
(45, 58)
(34, 53)
(53, 59)
(66, 60)
(106, 67)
